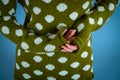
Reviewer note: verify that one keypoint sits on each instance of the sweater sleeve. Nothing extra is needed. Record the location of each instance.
(21, 36)
(93, 20)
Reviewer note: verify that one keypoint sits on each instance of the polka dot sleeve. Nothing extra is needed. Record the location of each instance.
(93, 20)
(21, 36)
(8, 24)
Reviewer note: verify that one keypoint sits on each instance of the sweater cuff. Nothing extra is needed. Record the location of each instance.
(60, 40)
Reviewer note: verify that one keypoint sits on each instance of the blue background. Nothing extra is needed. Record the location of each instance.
(106, 50)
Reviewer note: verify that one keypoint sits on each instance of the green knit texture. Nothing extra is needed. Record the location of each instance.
(39, 40)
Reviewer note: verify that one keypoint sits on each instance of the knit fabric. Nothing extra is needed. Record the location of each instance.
(39, 40)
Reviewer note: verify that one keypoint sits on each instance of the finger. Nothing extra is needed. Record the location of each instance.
(66, 49)
(62, 50)
(69, 40)
(72, 47)
(71, 34)
(68, 33)
(64, 31)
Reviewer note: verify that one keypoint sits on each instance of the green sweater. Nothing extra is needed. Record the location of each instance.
(39, 40)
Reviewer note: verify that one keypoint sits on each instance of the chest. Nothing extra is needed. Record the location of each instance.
(51, 15)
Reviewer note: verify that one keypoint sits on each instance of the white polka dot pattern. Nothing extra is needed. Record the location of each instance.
(100, 21)
(84, 54)
(75, 76)
(62, 7)
(50, 54)
(89, 36)
(5, 2)
(49, 47)
(26, 10)
(16, 22)
(52, 36)
(38, 40)
(12, 11)
(5, 30)
(101, 8)
(85, 5)
(25, 64)
(49, 18)
(27, 51)
(47, 1)
(51, 78)
(80, 27)
(19, 32)
(38, 72)
(50, 67)
(92, 57)
(88, 10)
(19, 52)
(62, 60)
(36, 10)
(61, 25)
(26, 76)
(89, 43)
(75, 64)
(39, 26)
(37, 59)
(27, 2)
(86, 67)
(6, 18)
(17, 66)
(92, 69)
(111, 7)
(63, 73)
(24, 45)
(91, 21)
(73, 15)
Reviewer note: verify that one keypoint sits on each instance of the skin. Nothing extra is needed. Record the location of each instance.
(68, 36)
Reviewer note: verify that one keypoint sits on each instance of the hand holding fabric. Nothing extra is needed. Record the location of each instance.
(69, 36)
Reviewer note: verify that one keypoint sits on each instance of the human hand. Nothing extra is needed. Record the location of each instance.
(69, 36)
